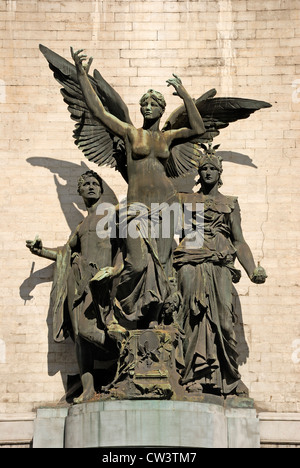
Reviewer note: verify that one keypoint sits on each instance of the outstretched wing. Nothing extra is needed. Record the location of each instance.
(217, 113)
(93, 138)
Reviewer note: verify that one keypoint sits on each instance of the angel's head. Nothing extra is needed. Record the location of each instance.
(90, 186)
(152, 104)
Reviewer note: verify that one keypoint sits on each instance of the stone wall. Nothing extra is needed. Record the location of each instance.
(243, 48)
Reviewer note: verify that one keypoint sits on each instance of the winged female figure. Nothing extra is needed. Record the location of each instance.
(148, 158)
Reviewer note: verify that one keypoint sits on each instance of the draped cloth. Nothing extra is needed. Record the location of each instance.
(144, 283)
(58, 296)
(205, 278)
(71, 294)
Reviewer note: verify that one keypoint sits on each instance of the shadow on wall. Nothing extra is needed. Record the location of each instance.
(70, 201)
(71, 205)
(236, 158)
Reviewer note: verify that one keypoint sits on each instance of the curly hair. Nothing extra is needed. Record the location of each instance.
(89, 173)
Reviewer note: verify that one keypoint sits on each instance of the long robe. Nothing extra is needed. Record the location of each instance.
(205, 278)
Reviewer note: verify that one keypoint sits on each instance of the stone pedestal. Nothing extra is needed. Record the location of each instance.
(49, 427)
(209, 423)
(147, 367)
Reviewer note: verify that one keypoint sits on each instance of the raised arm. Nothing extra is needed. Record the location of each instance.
(116, 126)
(196, 123)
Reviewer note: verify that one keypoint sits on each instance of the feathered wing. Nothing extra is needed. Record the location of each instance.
(93, 138)
(216, 113)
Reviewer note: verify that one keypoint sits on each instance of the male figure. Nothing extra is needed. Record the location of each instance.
(87, 307)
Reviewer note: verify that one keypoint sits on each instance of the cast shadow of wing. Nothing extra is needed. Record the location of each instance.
(236, 158)
(71, 203)
(72, 207)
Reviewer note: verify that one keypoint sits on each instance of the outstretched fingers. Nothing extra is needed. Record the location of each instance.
(75, 54)
(175, 82)
(79, 58)
(177, 78)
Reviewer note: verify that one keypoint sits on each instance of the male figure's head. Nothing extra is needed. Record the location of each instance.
(90, 187)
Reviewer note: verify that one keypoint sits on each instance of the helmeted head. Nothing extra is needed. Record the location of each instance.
(210, 162)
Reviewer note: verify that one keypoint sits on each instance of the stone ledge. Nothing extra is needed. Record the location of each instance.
(279, 428)
(16, 429)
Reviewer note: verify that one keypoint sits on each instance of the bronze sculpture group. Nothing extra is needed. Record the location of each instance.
(164, 313)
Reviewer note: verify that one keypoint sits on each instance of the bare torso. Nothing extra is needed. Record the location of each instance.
(93, 248)
(146, 160)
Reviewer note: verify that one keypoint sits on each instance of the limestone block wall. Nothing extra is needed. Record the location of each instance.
(243, 48)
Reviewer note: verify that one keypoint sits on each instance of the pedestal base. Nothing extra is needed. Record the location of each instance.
(148, 366)
(144, 423)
